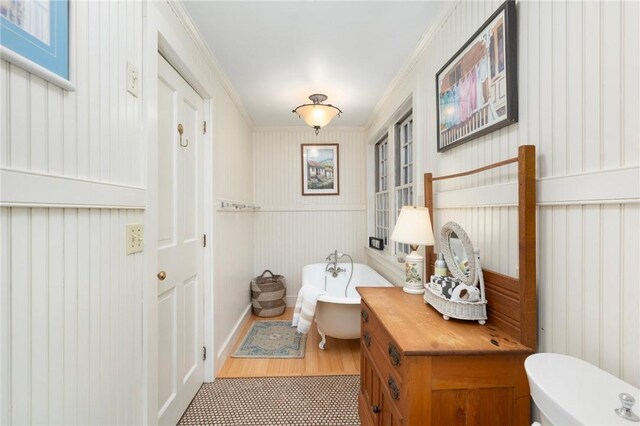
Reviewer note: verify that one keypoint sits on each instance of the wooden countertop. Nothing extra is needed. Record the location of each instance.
(419, 329)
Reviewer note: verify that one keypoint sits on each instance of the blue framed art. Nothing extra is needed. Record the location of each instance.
(38, 31)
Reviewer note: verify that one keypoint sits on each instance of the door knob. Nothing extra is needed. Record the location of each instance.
(162, 275)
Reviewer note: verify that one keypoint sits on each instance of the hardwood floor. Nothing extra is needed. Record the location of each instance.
(340, 357)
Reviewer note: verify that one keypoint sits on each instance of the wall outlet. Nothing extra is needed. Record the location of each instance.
(135, 238)
(133, 79)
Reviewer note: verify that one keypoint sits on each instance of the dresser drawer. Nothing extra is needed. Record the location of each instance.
(373, 333)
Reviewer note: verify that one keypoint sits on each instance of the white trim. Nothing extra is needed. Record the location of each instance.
(594, 187)
(24, 188)
(184, 18)
(227, 346)
(208, 255)
(614, 186)
(30, 66)
(309, 208)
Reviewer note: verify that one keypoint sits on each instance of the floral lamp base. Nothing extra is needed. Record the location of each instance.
(413, 267)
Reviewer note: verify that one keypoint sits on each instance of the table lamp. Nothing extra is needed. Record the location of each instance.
(414, 228)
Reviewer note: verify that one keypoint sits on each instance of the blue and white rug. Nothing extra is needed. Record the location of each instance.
(272, 339)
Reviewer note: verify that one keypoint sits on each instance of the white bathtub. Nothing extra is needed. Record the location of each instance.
(336, 315)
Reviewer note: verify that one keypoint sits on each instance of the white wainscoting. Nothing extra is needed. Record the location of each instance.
(286, 241)
(292, 230)
(579, 91)
(71, 322)
(70, 299)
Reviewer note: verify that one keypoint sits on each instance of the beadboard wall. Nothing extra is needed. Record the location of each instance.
(71, 300)
(579, 91)
(73, 172)
(292, 230)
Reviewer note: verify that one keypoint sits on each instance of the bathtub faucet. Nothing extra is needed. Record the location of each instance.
(332, 266)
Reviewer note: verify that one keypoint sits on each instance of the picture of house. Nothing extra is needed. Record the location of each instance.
(319, 174)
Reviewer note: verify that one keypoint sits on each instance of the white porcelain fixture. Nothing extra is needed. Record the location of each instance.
(336, 315)
(570, 391)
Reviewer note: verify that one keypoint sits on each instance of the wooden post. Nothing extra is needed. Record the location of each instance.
(428, 203)
(527, 245)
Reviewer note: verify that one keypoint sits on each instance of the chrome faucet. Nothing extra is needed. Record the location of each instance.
(332, 266)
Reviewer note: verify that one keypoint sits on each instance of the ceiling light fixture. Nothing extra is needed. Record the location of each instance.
(317, 114)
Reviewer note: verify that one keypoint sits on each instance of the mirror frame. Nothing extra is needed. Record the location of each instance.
(447, 229)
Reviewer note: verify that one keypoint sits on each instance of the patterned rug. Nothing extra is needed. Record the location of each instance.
(272, 339)
(276, 401)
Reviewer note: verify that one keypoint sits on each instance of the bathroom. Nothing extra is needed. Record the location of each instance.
(90, 332)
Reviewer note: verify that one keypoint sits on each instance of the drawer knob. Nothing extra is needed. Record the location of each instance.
(394, 354)
(365, 315)
(367, 339)
(375, 409)
(393, 388)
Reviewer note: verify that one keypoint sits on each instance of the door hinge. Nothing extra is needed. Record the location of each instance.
(204, 353)
(204, 127)
(204, 240)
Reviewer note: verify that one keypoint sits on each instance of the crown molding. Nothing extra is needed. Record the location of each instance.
(185, 19)
(408, 66)
(302, 128)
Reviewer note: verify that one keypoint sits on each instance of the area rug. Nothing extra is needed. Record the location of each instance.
(276, 401)
(272, 339)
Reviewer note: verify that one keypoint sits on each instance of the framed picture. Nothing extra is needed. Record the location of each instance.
(35, 36)
(320, 169)
(478, 87)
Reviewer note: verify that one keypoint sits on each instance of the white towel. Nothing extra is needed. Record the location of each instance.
(306, 307)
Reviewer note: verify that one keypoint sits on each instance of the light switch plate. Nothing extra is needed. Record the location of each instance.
(133, 79)
(135, 238)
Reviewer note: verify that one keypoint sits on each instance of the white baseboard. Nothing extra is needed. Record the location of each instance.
(291, 301)
(227, 346)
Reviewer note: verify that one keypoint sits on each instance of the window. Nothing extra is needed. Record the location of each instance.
(404, 171)
(382, 190)
(392, 166)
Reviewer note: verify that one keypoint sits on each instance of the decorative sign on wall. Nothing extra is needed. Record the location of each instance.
(478, 87)
(35, 36)
(320, 169)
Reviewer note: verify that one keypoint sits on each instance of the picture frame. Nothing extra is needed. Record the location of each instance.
(320, 169)
(477, 89)
(35, 37)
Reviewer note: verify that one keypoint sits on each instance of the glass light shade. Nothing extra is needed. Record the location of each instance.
(317, 115)
(413, 227)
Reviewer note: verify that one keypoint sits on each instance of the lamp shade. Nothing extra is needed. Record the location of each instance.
(317, 115)
(413, 227)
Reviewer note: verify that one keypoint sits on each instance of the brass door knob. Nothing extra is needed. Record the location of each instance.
(162, 275)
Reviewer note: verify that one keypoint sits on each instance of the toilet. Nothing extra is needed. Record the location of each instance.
(570, 391)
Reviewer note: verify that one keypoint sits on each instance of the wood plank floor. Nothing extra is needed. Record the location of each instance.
(340, 357)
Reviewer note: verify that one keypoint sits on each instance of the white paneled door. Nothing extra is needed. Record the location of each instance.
(180, 248)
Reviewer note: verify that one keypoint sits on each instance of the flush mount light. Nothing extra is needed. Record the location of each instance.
(317, 114)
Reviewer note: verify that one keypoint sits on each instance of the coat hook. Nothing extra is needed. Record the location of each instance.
(180, 130)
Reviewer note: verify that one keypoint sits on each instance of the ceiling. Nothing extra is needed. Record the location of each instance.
(278, 53)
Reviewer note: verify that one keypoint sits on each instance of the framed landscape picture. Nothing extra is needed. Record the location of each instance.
(320, 169)
(478, 87)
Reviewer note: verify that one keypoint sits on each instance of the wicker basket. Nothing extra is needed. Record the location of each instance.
(474, 311)
(267, 295)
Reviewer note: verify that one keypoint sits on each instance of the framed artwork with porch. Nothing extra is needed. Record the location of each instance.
(320, 171)
(478, 87)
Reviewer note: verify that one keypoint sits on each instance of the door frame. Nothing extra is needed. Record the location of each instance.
(162, 35)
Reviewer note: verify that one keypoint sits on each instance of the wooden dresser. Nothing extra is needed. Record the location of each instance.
(417, 369)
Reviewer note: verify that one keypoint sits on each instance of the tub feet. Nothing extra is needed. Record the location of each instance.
(323, 343)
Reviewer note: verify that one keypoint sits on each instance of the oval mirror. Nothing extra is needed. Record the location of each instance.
(458, 252)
